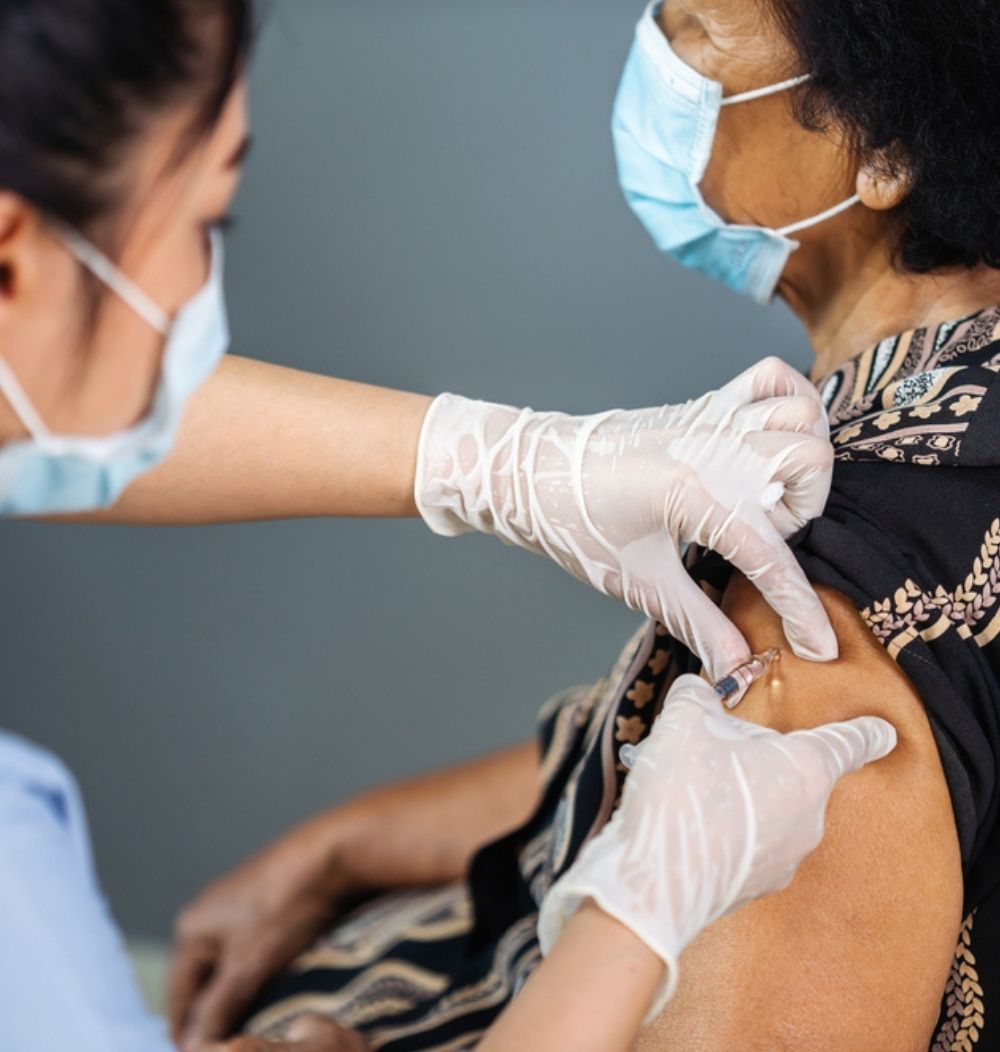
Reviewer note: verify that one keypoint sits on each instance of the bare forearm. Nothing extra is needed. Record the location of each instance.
(590, 994)
(263, 442)
(425, 830)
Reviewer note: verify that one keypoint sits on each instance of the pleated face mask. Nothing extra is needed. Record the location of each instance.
(664, 126)
(49, 473)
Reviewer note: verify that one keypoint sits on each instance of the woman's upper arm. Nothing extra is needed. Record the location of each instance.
(855, 953)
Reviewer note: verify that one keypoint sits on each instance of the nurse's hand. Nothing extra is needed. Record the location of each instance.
(310, 1033)
(716, 811)
(613, 497)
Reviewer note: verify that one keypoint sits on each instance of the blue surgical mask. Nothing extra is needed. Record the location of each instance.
(664, 127)
(53, 474)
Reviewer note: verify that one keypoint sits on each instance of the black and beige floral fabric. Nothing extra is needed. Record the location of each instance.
(912, 536)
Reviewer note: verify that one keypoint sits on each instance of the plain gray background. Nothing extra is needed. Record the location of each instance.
(431, 204)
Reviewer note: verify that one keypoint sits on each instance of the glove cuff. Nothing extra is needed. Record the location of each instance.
(569, 893)
(437, 499)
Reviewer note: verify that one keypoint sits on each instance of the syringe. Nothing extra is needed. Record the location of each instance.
(732, 688)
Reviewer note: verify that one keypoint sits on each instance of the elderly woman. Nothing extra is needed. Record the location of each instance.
(869, 132)
(123, 128)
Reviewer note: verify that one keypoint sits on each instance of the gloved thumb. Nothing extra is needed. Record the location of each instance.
(693, 690)
(849, 745)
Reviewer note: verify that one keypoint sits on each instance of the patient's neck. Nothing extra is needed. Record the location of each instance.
(854, 298)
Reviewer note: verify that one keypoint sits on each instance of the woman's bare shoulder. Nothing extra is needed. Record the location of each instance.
(855, 953)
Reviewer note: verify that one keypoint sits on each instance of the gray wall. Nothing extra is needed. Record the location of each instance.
(431, 204)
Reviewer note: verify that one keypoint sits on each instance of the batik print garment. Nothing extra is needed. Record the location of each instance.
(911, 535)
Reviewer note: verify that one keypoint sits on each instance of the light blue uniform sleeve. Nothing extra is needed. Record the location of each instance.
(65, 980)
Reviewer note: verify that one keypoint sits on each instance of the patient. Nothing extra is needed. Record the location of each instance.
(889, 935)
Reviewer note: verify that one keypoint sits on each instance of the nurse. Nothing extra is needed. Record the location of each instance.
(123, 129)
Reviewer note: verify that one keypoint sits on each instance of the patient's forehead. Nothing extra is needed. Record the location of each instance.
(738, 42)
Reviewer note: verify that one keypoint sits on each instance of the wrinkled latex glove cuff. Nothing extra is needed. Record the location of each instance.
(569, 893)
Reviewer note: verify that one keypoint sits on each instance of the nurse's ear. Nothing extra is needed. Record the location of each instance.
(882, 184)
(21, 251)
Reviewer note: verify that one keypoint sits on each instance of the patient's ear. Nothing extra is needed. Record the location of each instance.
(21, 253)
(883, 184)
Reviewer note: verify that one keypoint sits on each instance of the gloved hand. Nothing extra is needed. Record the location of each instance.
(613, 497)
(715, 812)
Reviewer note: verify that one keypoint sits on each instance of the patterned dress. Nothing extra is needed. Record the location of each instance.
(911, 535)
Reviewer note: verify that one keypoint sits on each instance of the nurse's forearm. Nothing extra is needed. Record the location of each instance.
(591, 994)
(263, 442)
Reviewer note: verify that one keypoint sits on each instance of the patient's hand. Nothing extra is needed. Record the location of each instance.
(250, 925)
(308, 1034)
(246, 927)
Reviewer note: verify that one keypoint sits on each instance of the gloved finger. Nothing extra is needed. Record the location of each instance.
(192, 963)
(690, 695)
(691, 689)
(798, 413)
(649, 597)
(687, 613)
(757, 550)
(803, 464)
(688, 703)
(694, 693)
(704, 629)
(849, 745)
(769, 378)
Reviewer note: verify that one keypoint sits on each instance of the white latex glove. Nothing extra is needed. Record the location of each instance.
(614, 497)
(715, 812)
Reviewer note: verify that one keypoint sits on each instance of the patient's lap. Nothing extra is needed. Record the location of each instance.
(855, 953)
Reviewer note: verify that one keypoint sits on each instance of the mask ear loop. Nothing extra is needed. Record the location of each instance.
(773, 89)
(794, 228)
(18, 400)
(122, 286)
(769, 89)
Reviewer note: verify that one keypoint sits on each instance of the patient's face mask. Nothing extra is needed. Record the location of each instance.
(664, 127)
(51, 474)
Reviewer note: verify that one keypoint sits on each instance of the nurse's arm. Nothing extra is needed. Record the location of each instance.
(589, 995)
(260, 441)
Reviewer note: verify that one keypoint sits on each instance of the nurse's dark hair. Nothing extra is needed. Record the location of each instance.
(80, 79)
(916, 84)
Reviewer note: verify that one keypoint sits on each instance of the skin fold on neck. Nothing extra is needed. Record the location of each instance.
(849, 295)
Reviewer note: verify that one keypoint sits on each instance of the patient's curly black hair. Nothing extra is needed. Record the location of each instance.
(916, 84)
